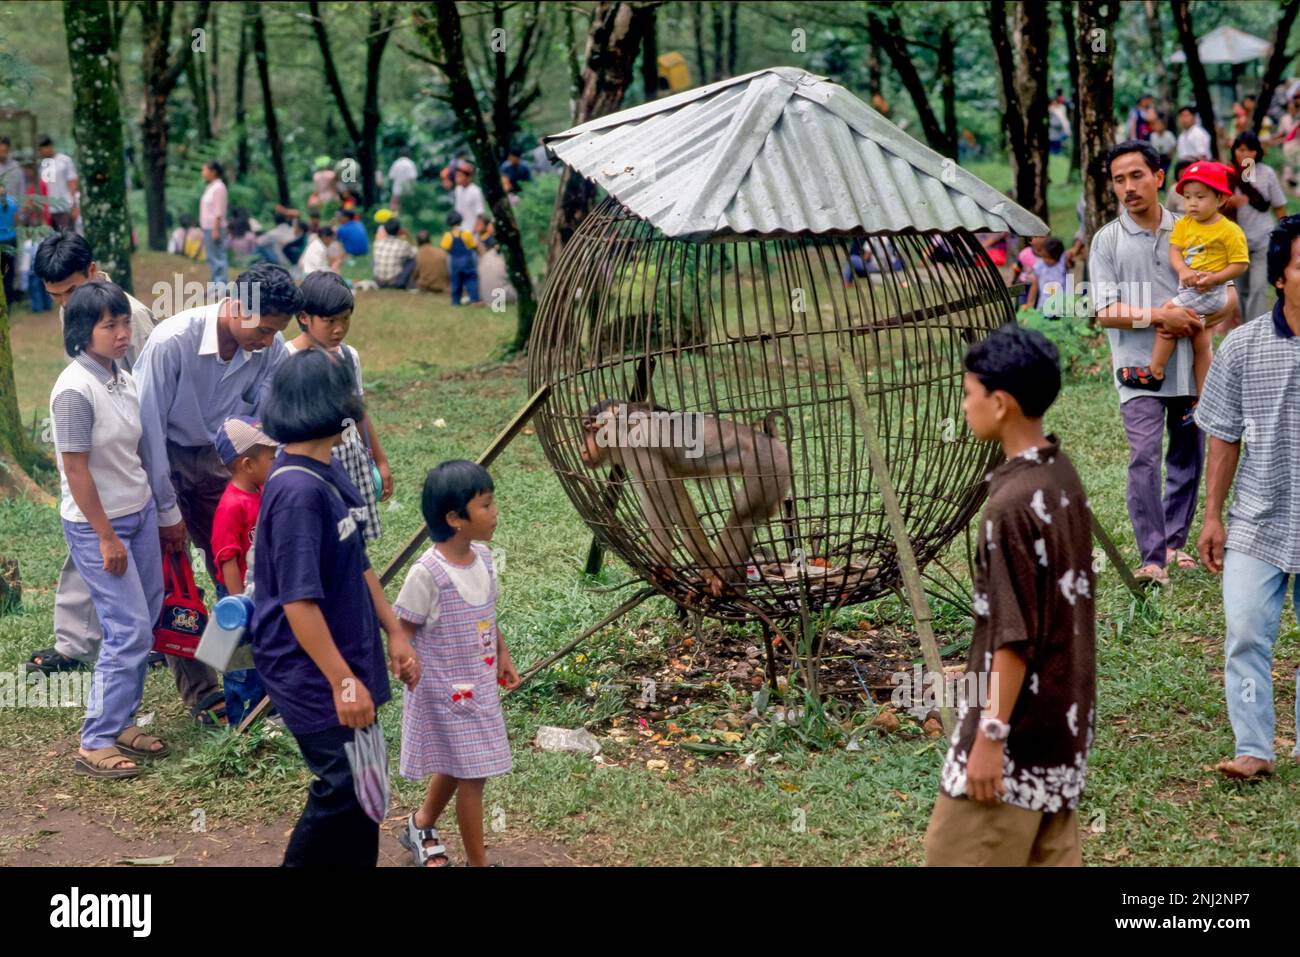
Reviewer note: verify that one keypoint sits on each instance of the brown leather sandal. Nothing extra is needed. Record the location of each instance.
(135, 743)
(106, 763)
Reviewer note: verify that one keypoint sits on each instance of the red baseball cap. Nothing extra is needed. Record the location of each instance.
(1214, 175)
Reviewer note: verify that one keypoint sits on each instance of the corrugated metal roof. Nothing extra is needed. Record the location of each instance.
(779, 151)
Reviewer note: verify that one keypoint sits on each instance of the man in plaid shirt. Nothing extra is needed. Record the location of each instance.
(1252, 393)
(393, 258)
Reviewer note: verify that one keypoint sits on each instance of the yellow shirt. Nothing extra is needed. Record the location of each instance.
(1210, 247)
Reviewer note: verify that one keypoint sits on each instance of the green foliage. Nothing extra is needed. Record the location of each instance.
(1083, 349)
(533, 214)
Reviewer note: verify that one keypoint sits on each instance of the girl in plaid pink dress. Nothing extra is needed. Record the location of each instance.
(452, 726)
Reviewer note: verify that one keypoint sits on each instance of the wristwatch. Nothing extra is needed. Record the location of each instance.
(994, 730)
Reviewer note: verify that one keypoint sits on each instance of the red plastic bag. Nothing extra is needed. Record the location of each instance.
(184, 616)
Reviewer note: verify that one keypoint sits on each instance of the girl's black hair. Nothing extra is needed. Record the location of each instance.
(1248, 139)
(325, 293)
(450, 488)
(86, 306)
(313, 396)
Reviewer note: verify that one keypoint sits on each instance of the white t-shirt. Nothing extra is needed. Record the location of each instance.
(95, 411)
(57, 172)
(315, 258)
(1193, 143)
(420, 592)
(401, 173)
(468, 201)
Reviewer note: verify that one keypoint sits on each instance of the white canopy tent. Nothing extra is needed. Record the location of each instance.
(1228, 45)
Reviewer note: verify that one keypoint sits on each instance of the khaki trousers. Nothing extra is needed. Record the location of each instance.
(963, 833)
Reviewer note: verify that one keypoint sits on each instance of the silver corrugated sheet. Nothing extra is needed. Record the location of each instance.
(779, 151)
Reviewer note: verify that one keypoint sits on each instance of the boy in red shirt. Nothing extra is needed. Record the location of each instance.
(248, 452)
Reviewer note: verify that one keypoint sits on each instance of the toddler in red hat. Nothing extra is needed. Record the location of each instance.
(1207, 250)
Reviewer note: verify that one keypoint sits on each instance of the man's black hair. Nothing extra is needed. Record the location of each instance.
(276, 293)
(422, 237)
(325, 232)
(1054, 247)
(313, 396)
(61, 255)
(1021, 362)
(1188, 109)
(4, 141)
(450, 488)
(325, 293)
(1280, 242)
(454, 218)
(393, 226)
(86, 307)
(1149, 154)
(44, 140)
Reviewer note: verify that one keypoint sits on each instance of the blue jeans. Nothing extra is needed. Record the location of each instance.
(128, 606)
(1253, 594)
(243, 687)
(217, 256)
(464, 280)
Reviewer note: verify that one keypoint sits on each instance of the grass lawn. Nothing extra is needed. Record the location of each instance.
(1161, 722)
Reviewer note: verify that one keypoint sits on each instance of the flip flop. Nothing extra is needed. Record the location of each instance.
(1182, 559)
(1152, 573)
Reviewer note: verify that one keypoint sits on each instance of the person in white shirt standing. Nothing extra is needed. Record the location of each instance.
(212, 220)
(400, 177)
(110, 521)
(1193, 141)
(467, 198)
(59, 174)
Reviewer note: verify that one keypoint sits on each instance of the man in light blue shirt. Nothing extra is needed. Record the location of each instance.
(200, 367)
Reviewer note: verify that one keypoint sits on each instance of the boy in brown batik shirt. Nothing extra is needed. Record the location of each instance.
(1013, 775)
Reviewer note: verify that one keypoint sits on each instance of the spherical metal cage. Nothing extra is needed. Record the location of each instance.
(741, 328)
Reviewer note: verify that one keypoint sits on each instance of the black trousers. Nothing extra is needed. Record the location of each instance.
(334, 830)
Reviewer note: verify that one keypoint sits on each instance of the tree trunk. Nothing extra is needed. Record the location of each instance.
(875, 76)
(697, 29)
(241, 106)
(650, 60)
(365, 137)
(612, 44)
(199, 94)
(439, 26)
(1196, 72)
(733, 29)
(1024, 98)
(1072, 48)
(380, 24)
(947, 79)
(719, 28)
(1164, 93)
(97, 126)
(268, 108)
(1095, 22)
(17, 453)
(160, 73)
(213, 78)
(1277, 62)
(883, 24)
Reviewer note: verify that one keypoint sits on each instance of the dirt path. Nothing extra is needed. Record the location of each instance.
(71, 836)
